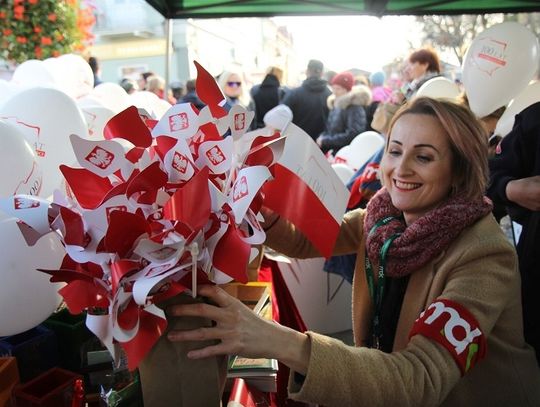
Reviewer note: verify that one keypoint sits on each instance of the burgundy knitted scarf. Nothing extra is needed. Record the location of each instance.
(425, 238)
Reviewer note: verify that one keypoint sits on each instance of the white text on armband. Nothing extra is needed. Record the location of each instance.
(455, 328)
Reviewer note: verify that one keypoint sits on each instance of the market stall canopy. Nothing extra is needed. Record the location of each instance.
(266, 8)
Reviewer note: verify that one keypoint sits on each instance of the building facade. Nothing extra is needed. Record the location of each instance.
(131, 38)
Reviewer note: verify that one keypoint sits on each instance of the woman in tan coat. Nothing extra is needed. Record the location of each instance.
(436, 292)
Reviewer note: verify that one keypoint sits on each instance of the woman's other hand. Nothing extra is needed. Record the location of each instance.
(240, 331)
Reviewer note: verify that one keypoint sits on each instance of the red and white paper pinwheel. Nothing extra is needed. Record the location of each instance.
(159, 206)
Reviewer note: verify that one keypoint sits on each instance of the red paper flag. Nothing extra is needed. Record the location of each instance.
(207, 88)
(231, 255)
(88, 188)
(151, 327)
(191, 204)
(307, 191)
(124, 229)
(128, 125)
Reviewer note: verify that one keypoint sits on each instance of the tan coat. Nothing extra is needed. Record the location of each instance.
(478, 271)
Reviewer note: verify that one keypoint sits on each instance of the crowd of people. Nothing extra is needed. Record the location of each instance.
(445, 310)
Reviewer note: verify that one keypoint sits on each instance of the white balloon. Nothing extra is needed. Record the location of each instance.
(96, 118)
(160, 108)
(369, 138)
(19, 170)
(439, 88)
(7, 91)
(77, 76)
(499, 63)
(145, 100)
(27, 297)
(278, 117)
(343, 171)
(33, 73)
(530, 95)
(343, 155)
(112, 96)
(90, 101)
(53, 66)
(363, 147)
(47, 117)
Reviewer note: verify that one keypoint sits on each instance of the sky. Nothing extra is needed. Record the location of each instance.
(346, 42)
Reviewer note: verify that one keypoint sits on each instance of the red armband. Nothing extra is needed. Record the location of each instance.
(455, 328)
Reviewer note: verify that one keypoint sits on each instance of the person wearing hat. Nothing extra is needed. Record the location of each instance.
(379, 94)
(129, 85)
(347, 117)
(308, 101)
(177, 89)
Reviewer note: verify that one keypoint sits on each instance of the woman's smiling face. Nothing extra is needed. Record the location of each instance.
(417, 165)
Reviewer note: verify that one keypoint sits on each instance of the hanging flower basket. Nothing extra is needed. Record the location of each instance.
(40, 29)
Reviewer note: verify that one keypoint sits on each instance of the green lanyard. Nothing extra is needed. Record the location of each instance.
(377, 295)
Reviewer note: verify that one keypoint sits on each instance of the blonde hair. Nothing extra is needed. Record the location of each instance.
(155, 83)
(224, 78)
(467, 142)
(384, 113)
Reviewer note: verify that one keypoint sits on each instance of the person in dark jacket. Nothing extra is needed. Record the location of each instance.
(515, 182)
(266, 95)
(308, 102)
(347, 116)
(191, 95)
(96, 71)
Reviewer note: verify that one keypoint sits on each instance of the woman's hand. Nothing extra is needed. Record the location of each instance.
(240, 331)
(237, 327)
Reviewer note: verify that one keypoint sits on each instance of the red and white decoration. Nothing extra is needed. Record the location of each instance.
(158, 206)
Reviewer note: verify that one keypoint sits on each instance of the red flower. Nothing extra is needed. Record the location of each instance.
(56, 53)
(32, 28)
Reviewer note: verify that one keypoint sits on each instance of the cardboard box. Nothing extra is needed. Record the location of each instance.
(254, 294)
(9, 378)
(54, 388)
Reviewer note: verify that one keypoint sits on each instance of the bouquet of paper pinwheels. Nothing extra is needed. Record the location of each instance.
(155, 208)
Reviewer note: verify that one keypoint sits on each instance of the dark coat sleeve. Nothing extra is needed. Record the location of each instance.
(289, 99)
(516, 157)
(355, 123)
